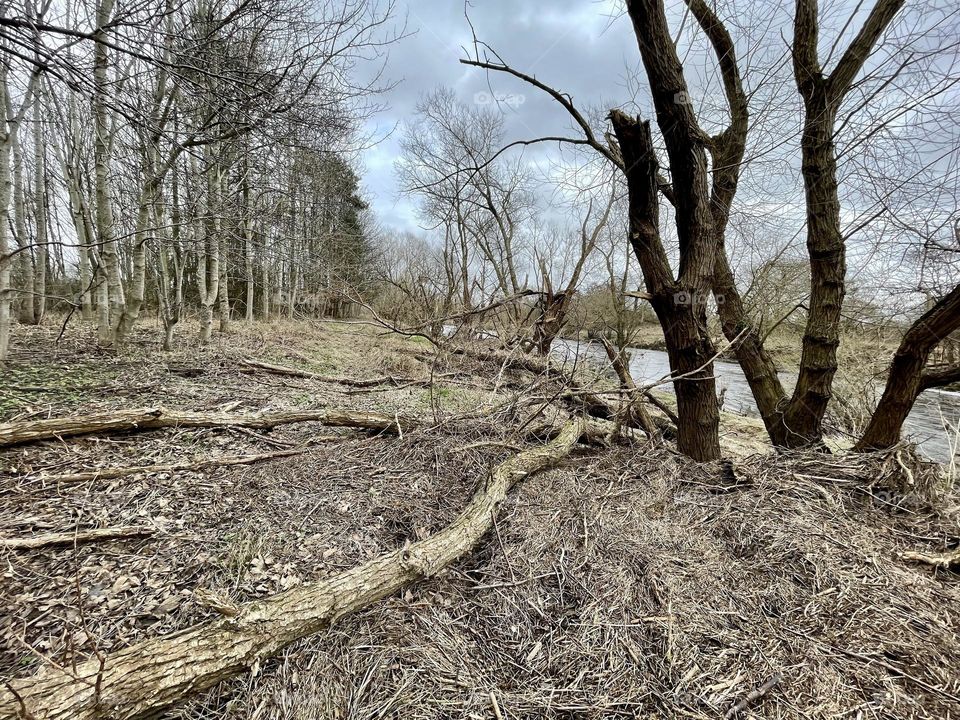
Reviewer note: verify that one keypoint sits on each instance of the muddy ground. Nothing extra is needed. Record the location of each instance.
(624, 583)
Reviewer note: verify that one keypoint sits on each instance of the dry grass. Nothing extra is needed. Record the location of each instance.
(626, 583)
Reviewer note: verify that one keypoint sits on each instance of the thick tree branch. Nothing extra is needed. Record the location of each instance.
(862, 45)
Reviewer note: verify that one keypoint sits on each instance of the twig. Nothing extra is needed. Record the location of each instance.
(771, 683)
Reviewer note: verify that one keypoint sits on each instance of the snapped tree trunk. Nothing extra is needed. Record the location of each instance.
(142, 680)
(679, 304)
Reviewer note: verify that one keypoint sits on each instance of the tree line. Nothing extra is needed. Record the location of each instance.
(167, 156)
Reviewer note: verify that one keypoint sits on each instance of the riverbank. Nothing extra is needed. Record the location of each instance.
(624, 582)
(868, 353)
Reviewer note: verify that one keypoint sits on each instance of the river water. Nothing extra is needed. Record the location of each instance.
(932, 423)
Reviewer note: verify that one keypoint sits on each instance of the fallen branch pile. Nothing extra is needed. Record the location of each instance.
(590, 403)
(138, 419)
(142, 680)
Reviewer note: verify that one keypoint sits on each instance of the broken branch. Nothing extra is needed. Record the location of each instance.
(77, 537)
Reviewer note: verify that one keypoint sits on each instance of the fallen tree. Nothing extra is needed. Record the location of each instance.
(142, 680)
(138, 419)
(590, 403)
(307, 375)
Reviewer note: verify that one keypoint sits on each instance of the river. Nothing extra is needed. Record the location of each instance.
(932, 423)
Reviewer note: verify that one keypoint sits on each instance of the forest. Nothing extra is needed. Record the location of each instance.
(381, 359)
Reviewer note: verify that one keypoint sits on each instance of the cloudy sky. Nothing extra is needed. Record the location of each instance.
(579, 46)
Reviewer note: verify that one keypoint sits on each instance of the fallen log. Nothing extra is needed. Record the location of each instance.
(307, 375)
(634, 413)
(121, 472)
(76, 537)
(142, 680)
(138, 419)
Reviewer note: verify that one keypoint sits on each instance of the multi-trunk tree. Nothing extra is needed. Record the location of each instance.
(700, 180)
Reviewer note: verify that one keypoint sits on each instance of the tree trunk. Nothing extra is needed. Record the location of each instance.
(140, 419)
(130, 311)
(109, 262)
(907, 377)
(223, 293)
(803, 418)
(6, 261)
(248, 260)
(39, 299)
(86, 277)
(758, 367)
(142, 680)
(265, 290)
(680, 305)
(727, 150)
(822, 97)
(208, 261)
(26, 254)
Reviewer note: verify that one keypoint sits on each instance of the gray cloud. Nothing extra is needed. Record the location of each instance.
(577, 46)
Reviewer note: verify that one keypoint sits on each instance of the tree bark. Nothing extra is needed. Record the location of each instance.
(727, 151)
(6, 260)
(907, 377)
(680, 305)
(140, 419)
(144, 679)
(822, 95)
(265, 290)
(26, 250)
(208, 259)
(39, 299)
(109, 265)
(223, 292)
